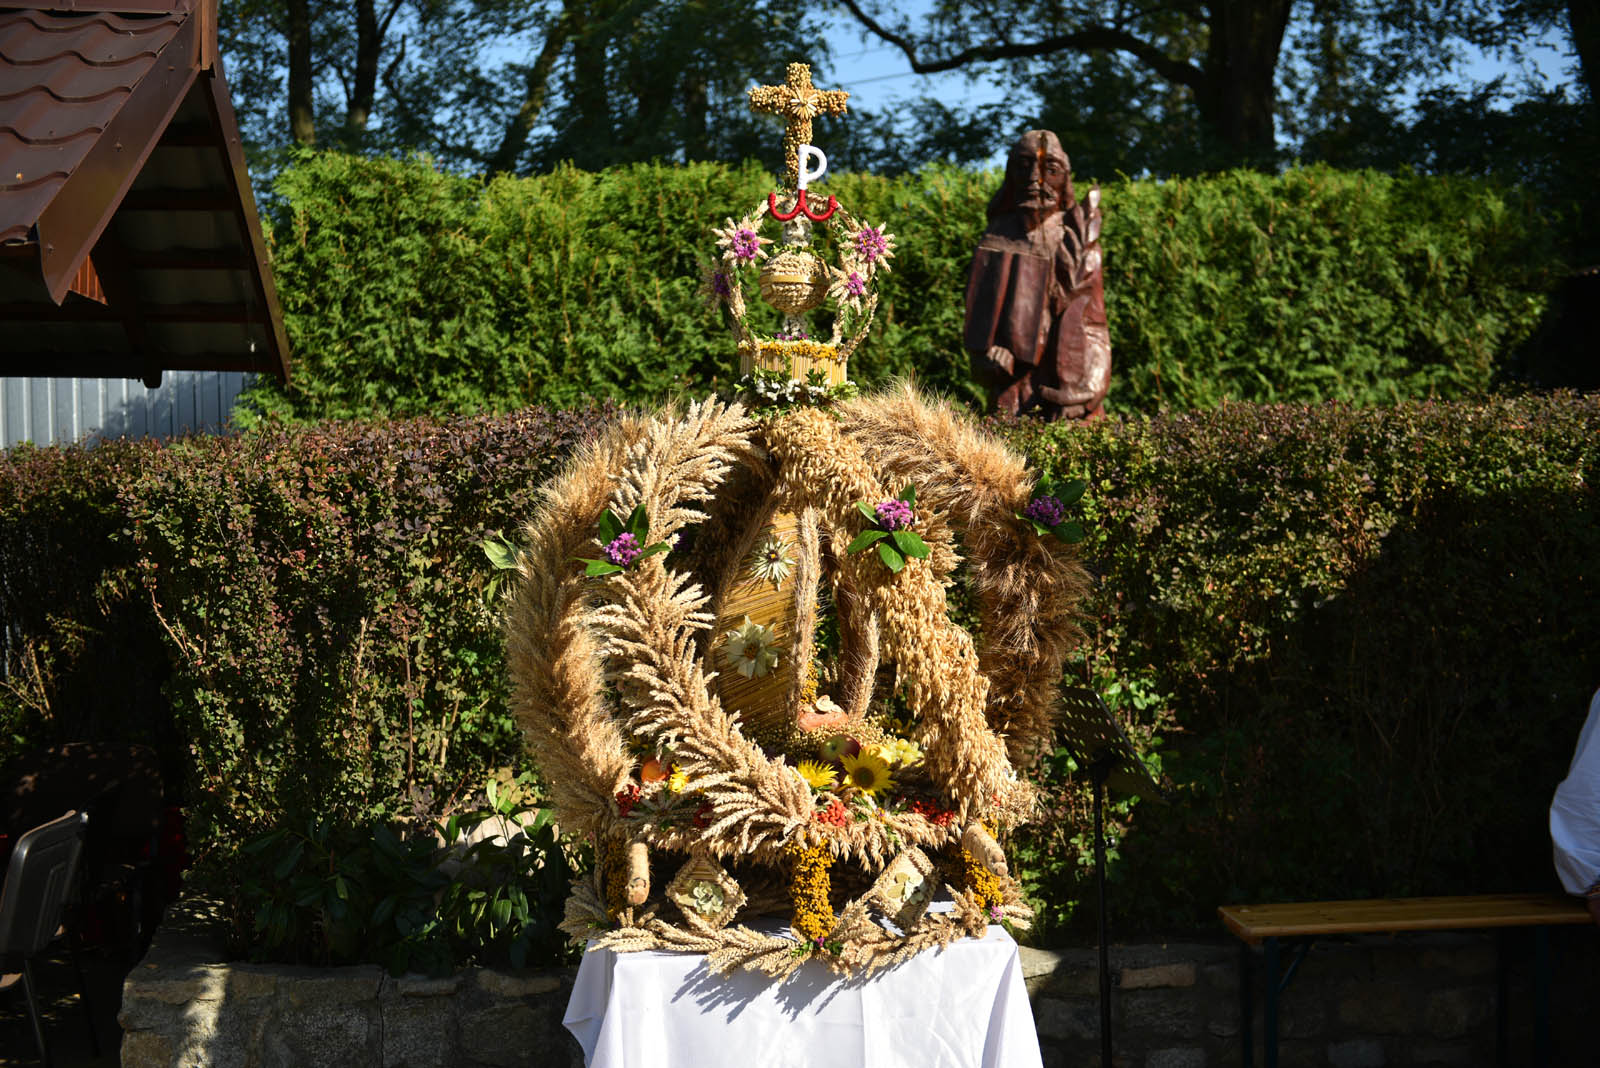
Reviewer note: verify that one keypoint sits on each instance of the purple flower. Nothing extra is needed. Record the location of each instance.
(719, 284)
(1046, 510)
(894, 515)
(745, 243)
(623, 550)
(855, 285)
(870, 243)
(994, 912)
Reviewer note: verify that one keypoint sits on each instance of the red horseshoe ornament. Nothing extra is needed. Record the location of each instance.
(801, 206)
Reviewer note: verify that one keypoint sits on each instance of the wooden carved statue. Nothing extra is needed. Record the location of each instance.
(1036, 313)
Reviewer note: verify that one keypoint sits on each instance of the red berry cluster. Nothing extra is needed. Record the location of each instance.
(627, 798)
(935, 815)
(835, 815)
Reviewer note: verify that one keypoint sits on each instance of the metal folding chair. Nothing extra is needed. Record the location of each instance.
(38, 880)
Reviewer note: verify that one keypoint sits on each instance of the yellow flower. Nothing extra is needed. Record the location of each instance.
(678, 780)
(868, 773)
(819, 776)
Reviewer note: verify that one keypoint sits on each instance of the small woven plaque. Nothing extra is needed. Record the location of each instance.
(707, 895)
(906, 888)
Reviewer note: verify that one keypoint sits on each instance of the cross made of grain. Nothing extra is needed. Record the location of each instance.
(797, 101)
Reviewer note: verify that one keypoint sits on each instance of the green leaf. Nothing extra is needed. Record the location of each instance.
(1072, 492)
(866, 510)
(911, 544)
(909, 494)
(638, 521)
(501, 555)
(1070, 532)
(600, 567)
(340, 888)
(610, 528)
(287, 864)
(864, 539)
(651, 550)
(501, 913)
(891, 557)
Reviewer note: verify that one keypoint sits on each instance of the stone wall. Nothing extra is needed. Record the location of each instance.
(1361, 1003)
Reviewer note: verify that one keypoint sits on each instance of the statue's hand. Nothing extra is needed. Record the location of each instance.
(1001, 358)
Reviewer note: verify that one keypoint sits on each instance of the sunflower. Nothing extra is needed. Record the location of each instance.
(749, 648)
(868, 773)
(819, 776)
(770, 560)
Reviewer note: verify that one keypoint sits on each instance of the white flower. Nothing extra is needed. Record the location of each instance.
(749, 648)
(770, 560)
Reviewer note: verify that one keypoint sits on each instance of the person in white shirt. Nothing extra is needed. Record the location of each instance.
(1575, 816)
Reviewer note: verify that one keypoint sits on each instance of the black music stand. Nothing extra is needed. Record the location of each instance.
(1102, 749)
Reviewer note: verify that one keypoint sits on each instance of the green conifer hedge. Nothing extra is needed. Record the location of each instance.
(409, 290)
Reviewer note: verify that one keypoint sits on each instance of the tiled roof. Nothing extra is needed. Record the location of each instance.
(129, 239)
(62, 80)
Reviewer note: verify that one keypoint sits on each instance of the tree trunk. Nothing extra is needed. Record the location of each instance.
(364, 86)
(534, 91)
(696, 145)
(1240, 94)
(302, 115)
(1583, 17)
(592, 132)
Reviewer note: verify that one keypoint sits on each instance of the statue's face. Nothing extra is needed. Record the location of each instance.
(1038, 172)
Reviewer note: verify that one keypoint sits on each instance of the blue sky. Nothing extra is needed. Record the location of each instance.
(878, 76)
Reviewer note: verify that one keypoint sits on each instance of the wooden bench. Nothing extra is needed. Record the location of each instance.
(1300, 924)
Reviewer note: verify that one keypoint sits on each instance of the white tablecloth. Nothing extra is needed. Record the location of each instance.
(964, 1007)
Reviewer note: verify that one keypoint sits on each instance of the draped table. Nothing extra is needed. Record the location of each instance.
(962, 1007)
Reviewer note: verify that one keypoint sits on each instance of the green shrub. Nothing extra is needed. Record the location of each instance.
(1373, 633)
(424, 901)
(1358, 642)
(408, 290)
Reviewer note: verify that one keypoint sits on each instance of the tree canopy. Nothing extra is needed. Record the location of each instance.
(521, 85)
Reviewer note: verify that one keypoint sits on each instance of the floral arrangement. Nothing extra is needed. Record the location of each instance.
(1047, 509)
(719, 714)
(621, 686)
(891, 530)
(623, 542)
(862, 253)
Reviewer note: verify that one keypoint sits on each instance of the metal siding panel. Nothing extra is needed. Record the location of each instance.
(114, 423)
(16, 402)
(135, 420)
(160, 409)
(182, 403)
(39, 400)
(63, 411)
(210, 400)
(91, 406)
